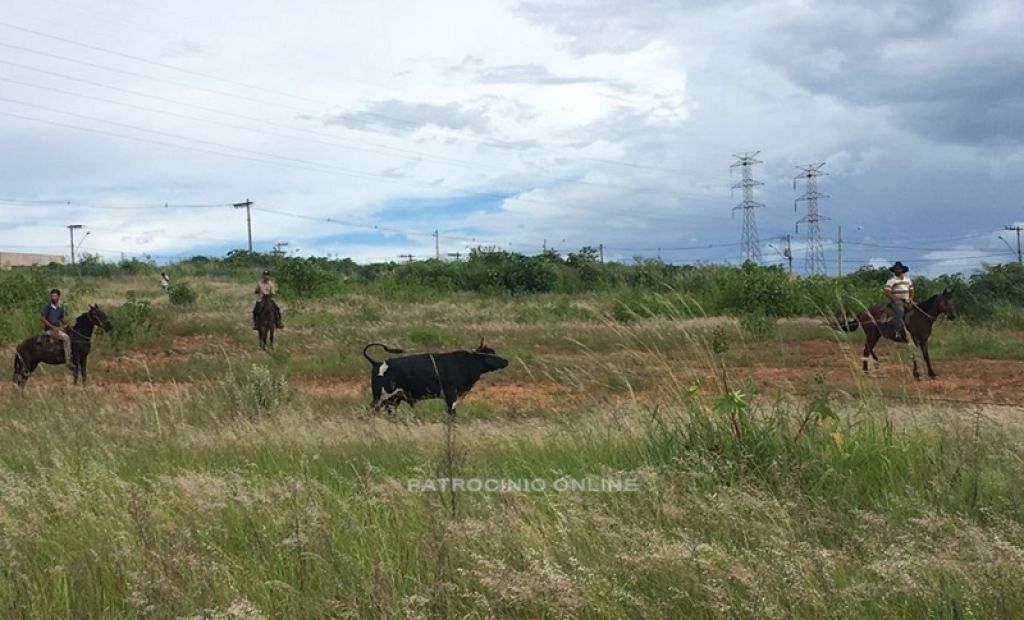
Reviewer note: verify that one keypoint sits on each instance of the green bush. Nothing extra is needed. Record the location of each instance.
(428, 336)
(759, 327)
(756, 289)
(22, 292)
(306, 278)
(256, 392)
(133, 322)
(181, 295)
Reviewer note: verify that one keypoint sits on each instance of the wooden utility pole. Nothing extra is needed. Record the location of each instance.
(1017, 228)
(600, 252)
(840, 245)
(248, 218)
(73, 227)
(437, 245)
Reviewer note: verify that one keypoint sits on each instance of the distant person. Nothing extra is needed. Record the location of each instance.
(165, 282)
(900, 291)
(265, 294)
(52, 318)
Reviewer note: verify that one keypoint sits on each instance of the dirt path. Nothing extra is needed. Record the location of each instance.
(806, 368)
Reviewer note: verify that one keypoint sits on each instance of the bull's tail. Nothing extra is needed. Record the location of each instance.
(377, 344)
(19, 368)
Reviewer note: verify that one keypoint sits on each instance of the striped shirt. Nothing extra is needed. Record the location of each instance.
(265, 288)
(901, 287)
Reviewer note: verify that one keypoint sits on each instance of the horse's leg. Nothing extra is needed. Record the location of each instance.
(29, 368)
(271, 337)
(927, 359)
(870, 340)
(81, 366)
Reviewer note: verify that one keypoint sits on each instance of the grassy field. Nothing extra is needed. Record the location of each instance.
(668, 467)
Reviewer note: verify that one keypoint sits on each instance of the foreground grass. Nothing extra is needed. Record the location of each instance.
(172, 508)
(233, 488)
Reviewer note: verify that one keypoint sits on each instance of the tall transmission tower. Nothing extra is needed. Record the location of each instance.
(751, 244)
(814, 259)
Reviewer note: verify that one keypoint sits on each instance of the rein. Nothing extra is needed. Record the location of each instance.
(920, 309)
(86, 337)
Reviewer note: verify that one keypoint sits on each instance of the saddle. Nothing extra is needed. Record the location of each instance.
(45, 336)
(887, 319)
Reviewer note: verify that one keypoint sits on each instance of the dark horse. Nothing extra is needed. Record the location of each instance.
(266, 320)
(48, 350)
(877, 321)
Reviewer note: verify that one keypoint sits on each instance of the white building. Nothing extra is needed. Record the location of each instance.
(21, 259)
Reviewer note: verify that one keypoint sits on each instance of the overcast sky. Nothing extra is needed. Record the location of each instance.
(517, 124)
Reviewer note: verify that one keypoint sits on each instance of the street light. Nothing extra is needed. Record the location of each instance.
(82, 240)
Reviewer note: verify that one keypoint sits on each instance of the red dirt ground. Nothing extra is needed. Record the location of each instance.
(811, 366)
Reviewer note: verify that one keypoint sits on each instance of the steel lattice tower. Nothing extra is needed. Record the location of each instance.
(751, 244)
(814, 259)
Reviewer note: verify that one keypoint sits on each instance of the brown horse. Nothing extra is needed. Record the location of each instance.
(878, 321)
(266, 321)
(48, 350)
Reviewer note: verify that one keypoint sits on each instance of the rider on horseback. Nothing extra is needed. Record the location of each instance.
(900, 291)
(265, 293)
(54, 322)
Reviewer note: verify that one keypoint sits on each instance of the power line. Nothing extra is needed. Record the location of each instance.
(675, 249)
(898, 247)
(122, 206)
(494, 142)
(291, 162)
(390, 151)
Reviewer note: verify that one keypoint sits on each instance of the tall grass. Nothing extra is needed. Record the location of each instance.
(217, 482)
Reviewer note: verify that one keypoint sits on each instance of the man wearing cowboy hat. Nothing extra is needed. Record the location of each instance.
(900, 291)
(264, 294)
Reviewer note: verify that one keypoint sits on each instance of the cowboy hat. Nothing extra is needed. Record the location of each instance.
(899, 265)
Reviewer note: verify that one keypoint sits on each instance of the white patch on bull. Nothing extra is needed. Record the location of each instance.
(387, 395)
(383, 369)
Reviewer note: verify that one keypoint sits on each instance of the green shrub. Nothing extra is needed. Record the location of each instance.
(133, 322)
(181, 295)
(255, 392)
(303, 277)
(756, 289)
(757, 326)
(428, 336)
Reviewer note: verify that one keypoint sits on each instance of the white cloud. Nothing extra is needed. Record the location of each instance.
(536, 99)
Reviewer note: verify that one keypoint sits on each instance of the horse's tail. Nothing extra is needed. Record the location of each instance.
(841, 322)
(377, 344)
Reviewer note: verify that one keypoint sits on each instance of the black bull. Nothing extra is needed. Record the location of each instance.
(428, 375)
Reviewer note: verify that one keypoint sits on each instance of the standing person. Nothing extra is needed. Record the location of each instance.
(165, 283)
(265, 294)
(52, 318)
(900, 291)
